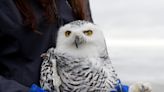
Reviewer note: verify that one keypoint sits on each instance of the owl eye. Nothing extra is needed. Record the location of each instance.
(88, 32)
(67, 33)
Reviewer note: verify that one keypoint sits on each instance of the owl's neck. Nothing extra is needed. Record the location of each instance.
(82, 51)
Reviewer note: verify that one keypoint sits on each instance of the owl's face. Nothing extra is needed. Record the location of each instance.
(80, 37)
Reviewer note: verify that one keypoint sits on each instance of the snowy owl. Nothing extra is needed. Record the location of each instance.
(80, 62)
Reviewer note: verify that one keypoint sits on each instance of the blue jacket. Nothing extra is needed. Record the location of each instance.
(20, 49)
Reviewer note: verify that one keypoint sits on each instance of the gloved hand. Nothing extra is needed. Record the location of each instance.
(35, 88)
(120, 88)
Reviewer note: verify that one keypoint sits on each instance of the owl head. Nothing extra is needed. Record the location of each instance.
(81, 38)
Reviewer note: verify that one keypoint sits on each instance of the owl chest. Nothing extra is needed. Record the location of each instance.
(83, 78)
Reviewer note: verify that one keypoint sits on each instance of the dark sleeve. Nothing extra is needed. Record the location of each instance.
(81, 8)
(6, 84)
(11, 86)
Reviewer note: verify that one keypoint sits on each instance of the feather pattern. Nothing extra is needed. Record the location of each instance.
(79, 74)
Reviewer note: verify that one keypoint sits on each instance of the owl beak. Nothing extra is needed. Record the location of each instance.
(78, 41)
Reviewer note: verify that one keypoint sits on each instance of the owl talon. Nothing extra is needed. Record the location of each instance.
(140, 87)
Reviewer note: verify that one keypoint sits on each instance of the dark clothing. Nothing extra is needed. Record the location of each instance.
(20, 48)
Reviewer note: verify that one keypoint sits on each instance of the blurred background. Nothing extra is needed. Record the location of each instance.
(134, 32)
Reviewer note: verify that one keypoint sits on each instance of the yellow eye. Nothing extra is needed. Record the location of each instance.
(67, 33)
(88, 32)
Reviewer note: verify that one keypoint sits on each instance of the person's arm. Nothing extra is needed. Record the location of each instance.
(11, 86)
(7, 82)
(8, 85)
(81, 8)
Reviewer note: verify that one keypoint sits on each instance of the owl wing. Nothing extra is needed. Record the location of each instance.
(108, 67)
(49, 78)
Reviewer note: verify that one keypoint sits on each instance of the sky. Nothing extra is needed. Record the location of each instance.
(134, 33)
(140, 18)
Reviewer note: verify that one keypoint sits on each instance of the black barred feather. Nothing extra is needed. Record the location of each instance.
(77, 74)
